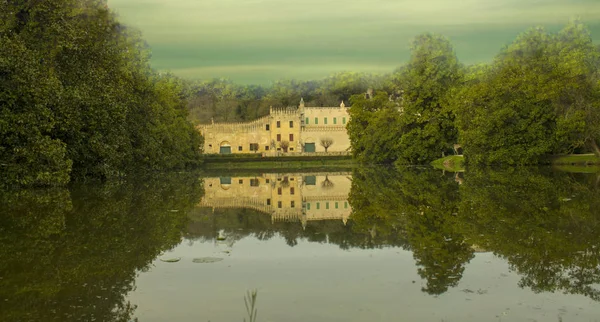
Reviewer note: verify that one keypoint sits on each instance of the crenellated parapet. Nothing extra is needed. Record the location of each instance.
(284, 111)
(248, 127)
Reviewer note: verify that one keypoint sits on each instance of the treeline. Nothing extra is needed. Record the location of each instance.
(540, 96)
(79, 99)
(222, 100)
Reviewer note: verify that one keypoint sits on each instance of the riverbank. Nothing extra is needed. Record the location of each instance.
(568, 162)
(243, 163)
(580, 163)
(453, 163)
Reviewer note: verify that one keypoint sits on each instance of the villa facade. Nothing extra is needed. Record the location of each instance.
(284, 130)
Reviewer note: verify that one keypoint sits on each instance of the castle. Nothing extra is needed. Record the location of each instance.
(302, 130)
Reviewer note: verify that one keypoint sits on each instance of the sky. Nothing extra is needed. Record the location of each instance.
(261, 41)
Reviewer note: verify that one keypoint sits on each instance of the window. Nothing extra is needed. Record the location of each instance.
(267, 127)
(327, 205)
(291, 149)
(336, 205)
(241, 181)
(343, 120)
(225, 180)
(324, 120)
(266, 148)
(253, 146)
(279, 191)
(267, 180)
(291, 190)
(334, 120)
(278, 124)
(318, 205)
(292, 204)
(268, 202)
(307, 120)
(254, 182)
(278, 204)
(291, 137)
(278, 138)
(291, 124)
(345, 204)
(308, 206)
(316, 120)
(240, 148)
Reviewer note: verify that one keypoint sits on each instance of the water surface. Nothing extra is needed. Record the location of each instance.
(373, 244)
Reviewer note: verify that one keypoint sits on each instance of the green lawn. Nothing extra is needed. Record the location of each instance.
(575, 159)
(454, 163)
(279, 166)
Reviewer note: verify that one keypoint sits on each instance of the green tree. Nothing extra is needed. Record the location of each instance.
(75, 90)
(427, 120)
(539, 97)
(373, 129)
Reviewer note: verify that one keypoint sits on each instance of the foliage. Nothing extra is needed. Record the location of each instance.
(222, 100)
(78, 98)
(539, 97)
(427, 121)
(372, 129)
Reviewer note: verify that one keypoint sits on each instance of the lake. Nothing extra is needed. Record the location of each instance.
(368, 244)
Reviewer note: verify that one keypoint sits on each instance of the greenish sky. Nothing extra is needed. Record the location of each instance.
(258, 41)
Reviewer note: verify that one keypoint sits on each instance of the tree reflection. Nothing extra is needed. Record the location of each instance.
(418, 205)
(74, 255)
(546, 224)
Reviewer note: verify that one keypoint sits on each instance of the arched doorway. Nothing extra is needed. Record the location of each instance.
(309, 145)
(225, 148)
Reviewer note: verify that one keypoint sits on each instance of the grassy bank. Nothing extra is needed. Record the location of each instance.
(251, 158)
(575, 159)
(454, 163)
(569, 163)
(579, 163)
(279, 165)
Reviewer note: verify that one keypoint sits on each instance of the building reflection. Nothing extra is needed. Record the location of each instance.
(295, 197)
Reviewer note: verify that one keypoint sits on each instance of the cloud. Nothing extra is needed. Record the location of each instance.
(198, 35)
(266, 73)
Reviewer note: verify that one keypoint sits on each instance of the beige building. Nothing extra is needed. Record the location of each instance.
(285, 197)
(285, 130)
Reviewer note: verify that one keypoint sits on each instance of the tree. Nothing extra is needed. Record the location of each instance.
(326, 142)
(78, 97)
(373, 129)
(284, 145)
(537, 98)
(427, 121)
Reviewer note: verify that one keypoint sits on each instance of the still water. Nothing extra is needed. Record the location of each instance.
(371, 244)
